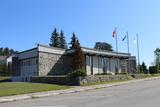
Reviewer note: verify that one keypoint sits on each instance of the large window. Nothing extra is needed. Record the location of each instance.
(29, 62)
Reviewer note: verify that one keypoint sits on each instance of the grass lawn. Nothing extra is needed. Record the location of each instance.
(15, 88)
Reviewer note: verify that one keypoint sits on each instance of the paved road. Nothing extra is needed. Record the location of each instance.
(140, 94)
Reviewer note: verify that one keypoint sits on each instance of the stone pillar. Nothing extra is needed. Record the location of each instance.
(91, 65)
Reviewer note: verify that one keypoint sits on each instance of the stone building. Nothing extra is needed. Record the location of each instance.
(45, 60)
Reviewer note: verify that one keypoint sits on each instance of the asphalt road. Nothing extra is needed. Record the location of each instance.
(140, 94)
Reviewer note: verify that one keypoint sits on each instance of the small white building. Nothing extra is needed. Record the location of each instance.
(6, 59)
(45, 60)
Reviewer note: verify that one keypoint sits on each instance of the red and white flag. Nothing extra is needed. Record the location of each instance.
(114, 33)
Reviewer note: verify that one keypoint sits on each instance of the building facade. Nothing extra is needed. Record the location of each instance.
(44, 61)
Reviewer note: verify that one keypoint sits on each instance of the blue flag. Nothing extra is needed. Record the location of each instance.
(124, 38)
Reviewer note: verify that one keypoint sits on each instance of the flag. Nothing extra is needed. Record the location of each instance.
(114, 33)
(124, 38)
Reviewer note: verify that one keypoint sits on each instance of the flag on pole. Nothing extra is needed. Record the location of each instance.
(114, 33)
(124, 38)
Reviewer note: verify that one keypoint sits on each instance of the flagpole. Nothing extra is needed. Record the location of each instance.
(116, 40)
(138, 53)
(116, 48)
(128, 42)
(128, 53)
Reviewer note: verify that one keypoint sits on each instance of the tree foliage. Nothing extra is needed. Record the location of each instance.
(5, 69)
(153, 70)
(6, 51)
(58, 40)
(157, 58)
(103, 46)
(74, 42)
(78, 55)
(63, 43)
(55, 39)
(143, 68)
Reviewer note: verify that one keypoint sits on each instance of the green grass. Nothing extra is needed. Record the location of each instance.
(15, 88)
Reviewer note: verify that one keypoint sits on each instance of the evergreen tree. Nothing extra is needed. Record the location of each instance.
(63, 44)
(11, 51)
(78, 57)
(157, 59)
(143, 68)
(55, 42)
(6, 51)
(74, 41)
(1, 51)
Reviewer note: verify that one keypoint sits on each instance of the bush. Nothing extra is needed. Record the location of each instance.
(153, 70)
(104, 73)
(122, 73)
(77, 73)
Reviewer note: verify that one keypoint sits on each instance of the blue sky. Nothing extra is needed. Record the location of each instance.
(23, 23)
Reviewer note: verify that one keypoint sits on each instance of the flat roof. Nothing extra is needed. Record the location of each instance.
(105, 53)
(89, 51)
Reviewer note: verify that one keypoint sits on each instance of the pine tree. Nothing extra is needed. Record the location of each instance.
(63, 44)
(143, 68)
(6, 51)
(11, 51)
(74, 41)
(55, 42)
(1, 51)
(78, 57)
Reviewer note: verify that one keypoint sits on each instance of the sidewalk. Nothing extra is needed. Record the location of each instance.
(71, 90)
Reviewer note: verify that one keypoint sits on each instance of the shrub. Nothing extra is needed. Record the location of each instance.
(77, 73)
(153, 70)
(122, 73)
(104, 73)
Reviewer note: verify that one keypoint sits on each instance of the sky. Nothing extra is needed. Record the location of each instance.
(24, 23)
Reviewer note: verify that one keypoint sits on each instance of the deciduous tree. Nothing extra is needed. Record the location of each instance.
(103, 46)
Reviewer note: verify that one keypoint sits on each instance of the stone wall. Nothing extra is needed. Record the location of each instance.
(53, 64)
(61, 80)
(64, 80)
(102, 78)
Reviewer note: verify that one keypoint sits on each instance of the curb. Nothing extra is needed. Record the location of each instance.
(67, 91)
